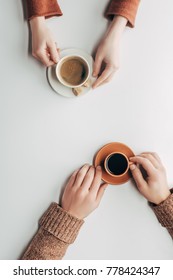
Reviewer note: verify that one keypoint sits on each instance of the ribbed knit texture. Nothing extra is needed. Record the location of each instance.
(60, 223)
(47, 8)
(164, 213)
(57, 230)
(125, 8)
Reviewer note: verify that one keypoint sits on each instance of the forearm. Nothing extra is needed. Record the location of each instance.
(37, 22)
(164, 213)
(116, 28)
(45, 246)
(58, 229)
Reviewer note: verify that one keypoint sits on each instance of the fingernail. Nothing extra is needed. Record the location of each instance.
(132, 167)
(94, 74)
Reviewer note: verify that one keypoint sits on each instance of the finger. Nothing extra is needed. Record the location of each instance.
(46, 62)
(54, 54)
(137, 176)
(101, 192)
(152, 159)
(44, 58)
(97, 65)
(97, 181)
(146, 164)
(80, 176)
(106, 73)
(156, 156)
(107, 80)
(72, 179)
(89, 177)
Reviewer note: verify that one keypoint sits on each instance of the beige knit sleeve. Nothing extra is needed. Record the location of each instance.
(58, 229)
(164, 213)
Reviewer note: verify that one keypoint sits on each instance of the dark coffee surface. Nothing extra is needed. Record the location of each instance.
(117, 164)
(73, 71)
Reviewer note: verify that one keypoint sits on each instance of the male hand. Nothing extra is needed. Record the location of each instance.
(155, 186)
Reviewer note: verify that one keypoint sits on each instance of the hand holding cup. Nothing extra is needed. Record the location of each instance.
(154, 187)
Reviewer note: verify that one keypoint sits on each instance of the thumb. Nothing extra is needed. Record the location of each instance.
(101, 192)
(97, 65)
(54, 52)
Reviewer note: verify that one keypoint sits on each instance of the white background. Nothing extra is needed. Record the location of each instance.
(44, 137)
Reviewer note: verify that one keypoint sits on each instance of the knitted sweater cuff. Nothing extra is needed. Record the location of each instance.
(164, 211)
(37, 8)
(124, 8)
(60, 223)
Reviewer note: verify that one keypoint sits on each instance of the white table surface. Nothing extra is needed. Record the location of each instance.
(44, 137)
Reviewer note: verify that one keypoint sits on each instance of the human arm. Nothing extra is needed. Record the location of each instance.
(107, 56)
(154, 187)
(59, 226)
(107, 59)
(44, 47)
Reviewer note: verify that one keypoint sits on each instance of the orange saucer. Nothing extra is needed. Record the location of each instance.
(103, 153)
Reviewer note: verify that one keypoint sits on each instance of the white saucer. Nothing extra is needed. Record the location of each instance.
(57, 86)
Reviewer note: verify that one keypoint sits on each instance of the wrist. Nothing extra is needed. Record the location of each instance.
(163, 197)
(74, 214)
(36, 22)
(71, 212)
(117, 27)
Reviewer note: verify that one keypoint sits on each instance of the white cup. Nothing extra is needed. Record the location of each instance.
(62, 61)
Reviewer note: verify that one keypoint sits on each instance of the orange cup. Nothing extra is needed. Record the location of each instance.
(117, 164)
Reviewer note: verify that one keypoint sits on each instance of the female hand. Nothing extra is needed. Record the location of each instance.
(83, 191)
(107, 55)
(43, 45)
(155, 186)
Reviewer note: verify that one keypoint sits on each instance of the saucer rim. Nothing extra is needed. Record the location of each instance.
(61, 89)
